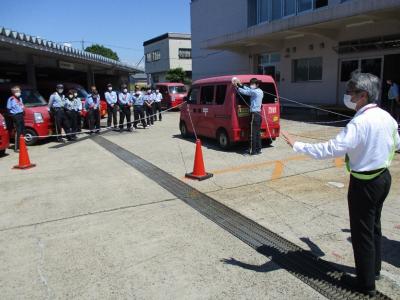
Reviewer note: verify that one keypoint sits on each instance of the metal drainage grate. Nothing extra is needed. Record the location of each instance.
(315, 272)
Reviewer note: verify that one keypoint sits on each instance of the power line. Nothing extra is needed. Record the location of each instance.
(108, 45)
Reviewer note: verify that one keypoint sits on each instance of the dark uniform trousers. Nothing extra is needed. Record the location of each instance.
(139, 115)
(78, 121)
(61, 122)
(365, 199)
(94, 119)
(125, 112)
(255, 138)
(73, 120)
(157, 109)
(19, 125)
(149, 114)
(112, 115)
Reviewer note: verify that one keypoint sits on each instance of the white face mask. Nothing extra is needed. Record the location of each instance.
(157, 92)
(253, 86)
(348, 103)
(17, 94)
(125, 91)
(71, 96)
(60, 91)
(110, 89)
(75, 95)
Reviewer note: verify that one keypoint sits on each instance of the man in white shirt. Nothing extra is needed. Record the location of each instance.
(157, 105)
(369, 142)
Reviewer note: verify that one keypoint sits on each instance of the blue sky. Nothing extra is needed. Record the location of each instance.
(122, 23)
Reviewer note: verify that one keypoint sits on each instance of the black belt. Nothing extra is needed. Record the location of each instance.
(369, 172)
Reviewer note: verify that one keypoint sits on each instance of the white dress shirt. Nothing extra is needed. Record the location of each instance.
(369, 140)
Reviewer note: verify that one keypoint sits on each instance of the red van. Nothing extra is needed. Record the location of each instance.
(37, 118)
(173, 94)
(4, 140)
(217, 110)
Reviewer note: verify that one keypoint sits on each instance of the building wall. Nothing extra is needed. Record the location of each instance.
(208, 21)
(175, 61)
(161, 65)
(328, 91)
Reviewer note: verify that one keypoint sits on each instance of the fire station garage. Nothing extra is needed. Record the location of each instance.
(39, 63)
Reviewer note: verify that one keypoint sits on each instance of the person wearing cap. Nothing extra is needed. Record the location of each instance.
(157, 105)
(256, 97)
(92, 105)
(138, 102)
(125, 104)
(368, 142)
(57, 107)
(112, 106)
(148, 104)
(15, 109)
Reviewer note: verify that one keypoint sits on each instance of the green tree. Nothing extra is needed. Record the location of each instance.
(177, 75)
(103, 51)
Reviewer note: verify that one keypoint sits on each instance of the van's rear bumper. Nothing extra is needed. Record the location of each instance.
(243, 135)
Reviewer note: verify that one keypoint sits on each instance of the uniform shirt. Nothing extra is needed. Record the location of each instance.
(77, 104)
(256, 97)
(138, 100)
(368, 140)
(125, 99)
(148, 99)
(111, 97)
(92, 102)
(69, 104)
(57, 101)
(394, 91)
(158, 97)
(15, 105)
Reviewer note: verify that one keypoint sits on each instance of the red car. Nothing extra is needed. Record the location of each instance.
(4, 140)
(173, 94)
(37, 118)
(218, 111)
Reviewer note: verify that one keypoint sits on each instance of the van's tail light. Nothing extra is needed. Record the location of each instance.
(275, 119)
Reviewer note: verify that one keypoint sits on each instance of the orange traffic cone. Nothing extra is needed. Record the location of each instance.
(24, 162)
(199, 172)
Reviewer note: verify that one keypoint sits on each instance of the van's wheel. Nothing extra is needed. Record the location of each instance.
(2, 152)
(223, 139)
(267, 142)
(183, 129)
(31, 137)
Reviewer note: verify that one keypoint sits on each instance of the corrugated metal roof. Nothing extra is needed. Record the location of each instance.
(25, 40)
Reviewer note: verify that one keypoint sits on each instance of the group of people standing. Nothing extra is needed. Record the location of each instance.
(145, 106)
(67, 111)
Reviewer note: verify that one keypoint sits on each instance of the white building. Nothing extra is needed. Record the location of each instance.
(309, 46)
(168, 51)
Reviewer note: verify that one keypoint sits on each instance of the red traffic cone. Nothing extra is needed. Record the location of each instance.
(24, 162)
(199, 172)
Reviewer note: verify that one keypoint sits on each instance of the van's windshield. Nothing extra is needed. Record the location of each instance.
(269, 95)
(32, 98)
(177, 90)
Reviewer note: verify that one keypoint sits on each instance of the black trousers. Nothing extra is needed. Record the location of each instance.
(94, 119)
(19, 125)
(139, 115)
(255, 135)
(112, 115)
(73, 120)
(365, 199)
(149, 114)
(61, 122)
(125, 112)
(78, 121)
(157, 108)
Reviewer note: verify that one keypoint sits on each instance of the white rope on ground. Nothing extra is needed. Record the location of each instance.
(102, 128)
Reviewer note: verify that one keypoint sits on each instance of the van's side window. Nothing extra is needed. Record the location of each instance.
(220, 95)
(193, 95)
(207, 95)
(269, 92)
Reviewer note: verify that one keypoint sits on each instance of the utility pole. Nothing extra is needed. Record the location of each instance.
(83, 45)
